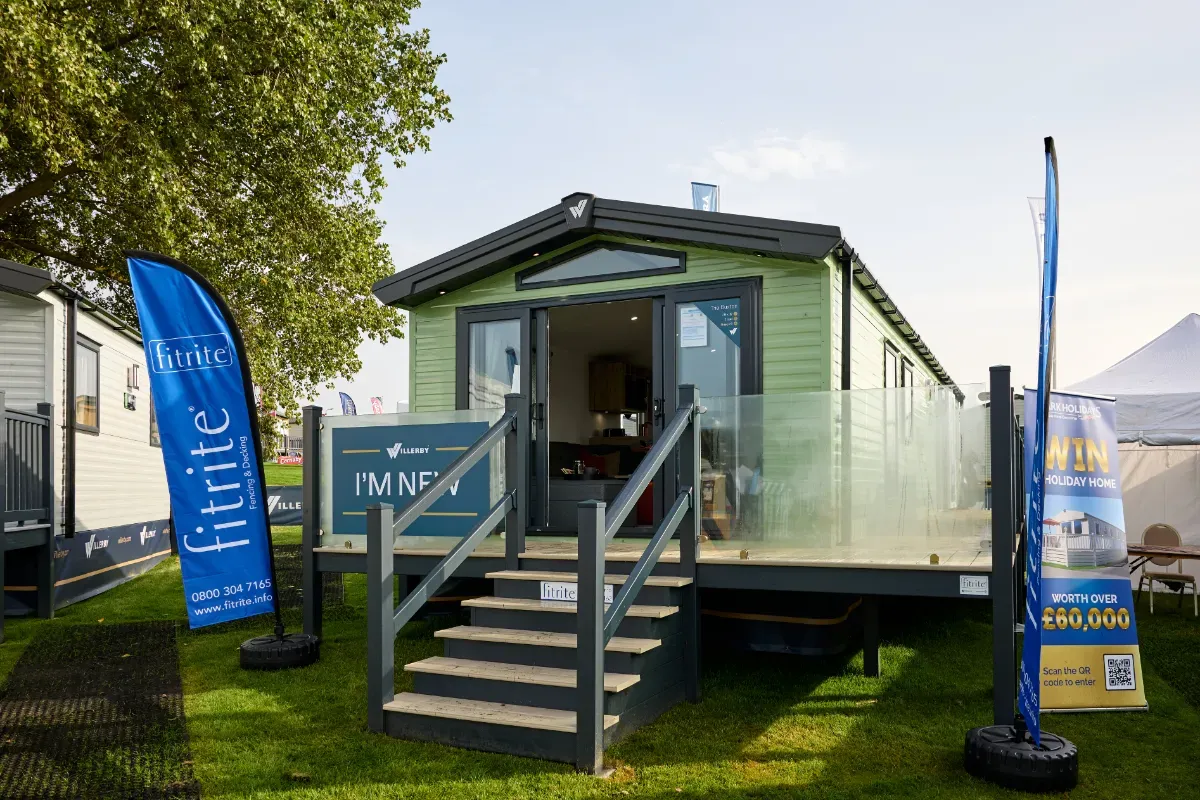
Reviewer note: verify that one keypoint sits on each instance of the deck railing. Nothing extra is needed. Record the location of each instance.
(597, 527)
(384, 619)
(27, 493)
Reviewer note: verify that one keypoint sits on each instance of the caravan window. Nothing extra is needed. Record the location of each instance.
(604, 262)
(493, 368)
(87, 385)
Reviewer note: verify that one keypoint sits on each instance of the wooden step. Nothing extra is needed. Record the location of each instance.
(561, 607)
(669, 581)
(617, 644)
(514, 673)
(543, 719)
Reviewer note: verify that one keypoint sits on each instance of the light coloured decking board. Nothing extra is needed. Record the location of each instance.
(513, 716)
(670, 581)
(561, 607)
(514, 673)
(476, 633)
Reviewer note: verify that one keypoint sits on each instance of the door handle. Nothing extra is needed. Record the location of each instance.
(539, 414)
(658, 408)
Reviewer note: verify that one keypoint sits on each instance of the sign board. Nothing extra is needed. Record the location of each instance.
(1090, 657)
(973, 585)
(291, 461)
(569, 592)
(285, 505)
(392, 463)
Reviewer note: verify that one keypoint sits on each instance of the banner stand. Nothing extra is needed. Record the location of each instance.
(191, 340)
(1021, 755)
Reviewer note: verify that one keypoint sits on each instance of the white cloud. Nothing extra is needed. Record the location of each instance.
(773, 155)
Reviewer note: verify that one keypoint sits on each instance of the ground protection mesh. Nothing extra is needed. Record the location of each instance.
(96, 711)
(289, 571)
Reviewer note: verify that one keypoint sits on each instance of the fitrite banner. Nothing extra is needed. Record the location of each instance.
(204, 402)
(1090, 657)
(706, 197)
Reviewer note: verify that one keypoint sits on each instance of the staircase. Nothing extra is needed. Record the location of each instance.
(549, 679)
(507, 681)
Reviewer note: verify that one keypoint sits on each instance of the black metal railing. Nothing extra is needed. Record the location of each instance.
(597, 527)
(384, 620)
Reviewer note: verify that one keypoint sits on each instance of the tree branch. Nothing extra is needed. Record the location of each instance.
(49, 252)
(35, 188)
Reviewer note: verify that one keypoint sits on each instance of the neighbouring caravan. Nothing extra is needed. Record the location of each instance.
(74, 377)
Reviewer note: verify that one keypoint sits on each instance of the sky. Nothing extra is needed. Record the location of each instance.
(916, 128)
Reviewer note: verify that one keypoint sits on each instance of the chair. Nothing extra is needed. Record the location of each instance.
(1164, 535)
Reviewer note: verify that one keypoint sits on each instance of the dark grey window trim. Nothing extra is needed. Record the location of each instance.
(95, 347)
(591, 247)
(907, 373)
(894, 352)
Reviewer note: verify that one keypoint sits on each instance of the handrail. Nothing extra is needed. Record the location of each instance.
(645, 471)
(452, 561)
(432, 491)
(26, 416)
(645, 565)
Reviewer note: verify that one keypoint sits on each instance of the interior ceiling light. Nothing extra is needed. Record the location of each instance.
(633, 319)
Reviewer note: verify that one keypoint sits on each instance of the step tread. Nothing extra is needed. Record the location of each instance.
(617, 644)
(515, 673)
(560, 606)
(671, 581)
(545, 719)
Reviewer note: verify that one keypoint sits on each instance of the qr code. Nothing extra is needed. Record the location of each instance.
(1118, 673)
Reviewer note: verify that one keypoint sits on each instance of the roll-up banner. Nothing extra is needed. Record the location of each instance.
(1089, 655)
(203, 397)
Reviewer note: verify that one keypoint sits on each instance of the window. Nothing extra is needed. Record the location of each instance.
(493, 368)
(906, 373)
(891, 361)
(603, 262)
(87, 385)
(154, 440)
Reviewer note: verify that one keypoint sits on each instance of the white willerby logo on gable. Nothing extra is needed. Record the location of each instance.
(577, 209)
(187, 353)
(398, 449)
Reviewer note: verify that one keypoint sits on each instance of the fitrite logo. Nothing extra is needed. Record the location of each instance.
(187, 353)
(577, 209)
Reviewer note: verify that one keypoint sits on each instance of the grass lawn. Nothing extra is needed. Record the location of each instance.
(284, 474)
(768, 727)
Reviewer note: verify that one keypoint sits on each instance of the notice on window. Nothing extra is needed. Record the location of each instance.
(693, 327)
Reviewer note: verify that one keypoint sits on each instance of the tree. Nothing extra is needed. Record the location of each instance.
(244, 137)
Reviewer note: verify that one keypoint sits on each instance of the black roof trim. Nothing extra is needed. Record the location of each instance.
(22, 278)
(582, 215)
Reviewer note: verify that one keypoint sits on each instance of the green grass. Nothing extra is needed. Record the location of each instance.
(768, 727)
(284, 474)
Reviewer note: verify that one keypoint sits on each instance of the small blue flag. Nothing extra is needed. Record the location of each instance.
(347, 404)
(706, 196)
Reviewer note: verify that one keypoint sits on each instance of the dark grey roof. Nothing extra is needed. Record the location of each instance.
(581, 215)
(22, 278)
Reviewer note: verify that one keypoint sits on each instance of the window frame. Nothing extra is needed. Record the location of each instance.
(907, 373)
(590, 247)
(890, 349)
(87, 344)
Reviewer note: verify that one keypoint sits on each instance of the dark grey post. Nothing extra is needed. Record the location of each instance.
(45, 554)
(381, 610)
(870, 605)
(516, 476)
(1004, 649)
(312, 585)
(3, 501)
(688, 479)
(589, 719)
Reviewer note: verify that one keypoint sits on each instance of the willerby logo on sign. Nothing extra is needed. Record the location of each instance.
(186, 353)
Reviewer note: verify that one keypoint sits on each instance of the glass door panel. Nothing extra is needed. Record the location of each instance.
(493, 362)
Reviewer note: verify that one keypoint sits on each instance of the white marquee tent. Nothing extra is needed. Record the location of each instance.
(1158, 424)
